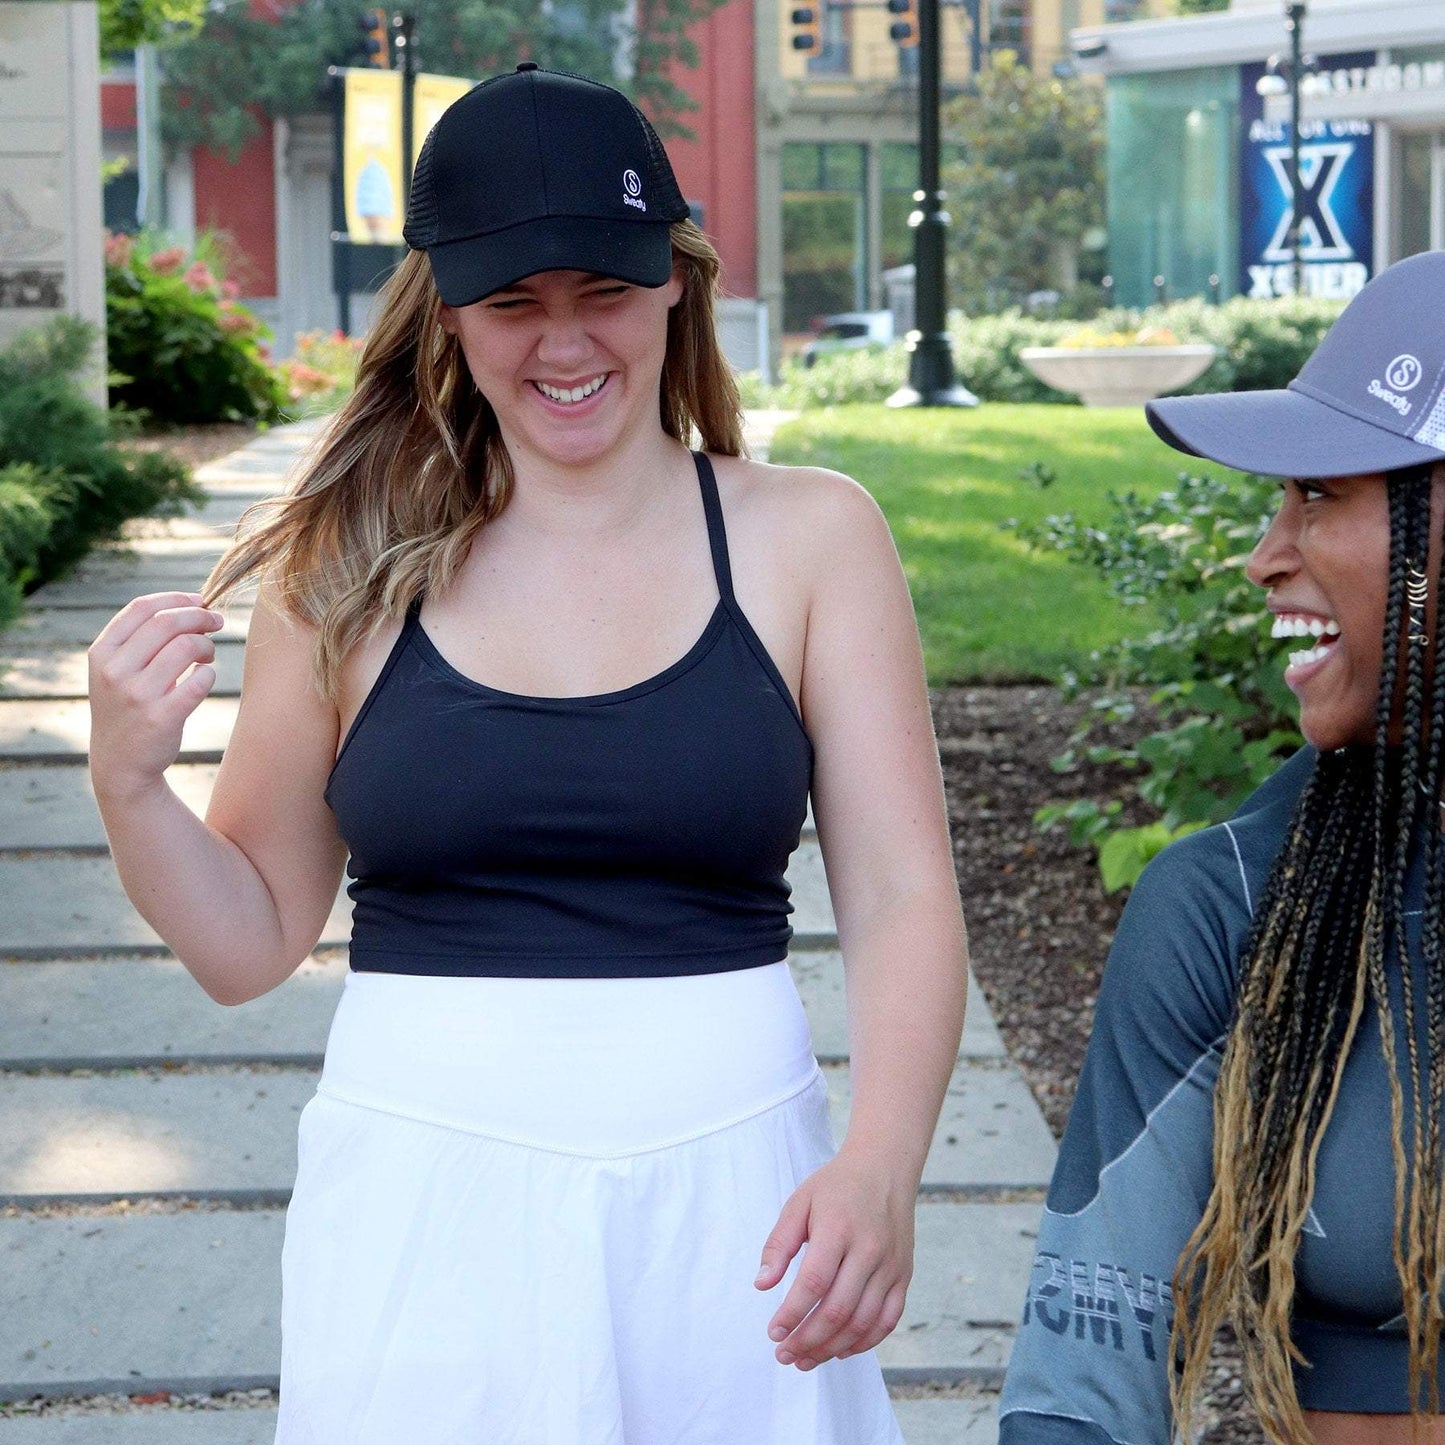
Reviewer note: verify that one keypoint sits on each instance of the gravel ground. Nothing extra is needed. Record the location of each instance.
(1039, 921)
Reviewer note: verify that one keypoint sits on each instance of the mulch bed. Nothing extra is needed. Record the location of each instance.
(1039, 921)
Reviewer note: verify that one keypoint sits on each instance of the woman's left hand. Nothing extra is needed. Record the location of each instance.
(848, 1294)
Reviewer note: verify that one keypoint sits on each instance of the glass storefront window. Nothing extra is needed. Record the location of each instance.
(1415, 156)
(1173, 183)
(825, 235)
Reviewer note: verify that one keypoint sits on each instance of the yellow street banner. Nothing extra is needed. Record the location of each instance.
(371, 165)
(432, 95)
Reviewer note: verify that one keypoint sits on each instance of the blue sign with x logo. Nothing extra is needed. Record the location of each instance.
(1336, 199)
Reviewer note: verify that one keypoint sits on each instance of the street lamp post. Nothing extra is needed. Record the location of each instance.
(1294, 23)
(931, 379)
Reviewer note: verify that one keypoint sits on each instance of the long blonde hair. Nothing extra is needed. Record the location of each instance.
(413, 465)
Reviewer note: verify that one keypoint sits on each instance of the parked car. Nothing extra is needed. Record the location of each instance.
(847, 331)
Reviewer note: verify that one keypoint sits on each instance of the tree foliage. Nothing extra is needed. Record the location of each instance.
(1200, 7)
(124, 24)
(1031, 178)
(242, 66)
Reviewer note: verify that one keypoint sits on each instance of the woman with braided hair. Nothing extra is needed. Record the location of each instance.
(1256, 1138)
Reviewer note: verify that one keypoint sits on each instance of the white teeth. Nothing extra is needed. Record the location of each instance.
(1304, 627)
(576, 393)
(1303, 659)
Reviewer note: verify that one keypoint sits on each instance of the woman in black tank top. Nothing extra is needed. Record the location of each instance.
(567, 1178)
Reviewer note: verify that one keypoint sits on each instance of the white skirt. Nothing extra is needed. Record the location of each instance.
(530, 1212)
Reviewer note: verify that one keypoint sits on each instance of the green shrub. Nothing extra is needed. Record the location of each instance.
(1214, 671)
(181, 349)
(64, 483)
(1261, 344)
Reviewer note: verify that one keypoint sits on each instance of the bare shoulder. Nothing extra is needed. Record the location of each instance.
(813, 513)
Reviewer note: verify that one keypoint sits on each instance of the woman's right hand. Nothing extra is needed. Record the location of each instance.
(138, 705)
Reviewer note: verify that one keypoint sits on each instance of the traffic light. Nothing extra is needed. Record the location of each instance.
(904, 30)
(375, 26)
(808, 27)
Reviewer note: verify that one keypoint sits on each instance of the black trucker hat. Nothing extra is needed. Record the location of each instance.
(538, 170)
(1370, 399)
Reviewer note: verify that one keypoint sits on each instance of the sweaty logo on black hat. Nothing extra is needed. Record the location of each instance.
(632, 190)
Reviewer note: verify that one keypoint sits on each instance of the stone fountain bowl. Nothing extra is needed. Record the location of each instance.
(1117, 375)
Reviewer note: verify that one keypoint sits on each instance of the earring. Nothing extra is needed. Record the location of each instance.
(1417, 590)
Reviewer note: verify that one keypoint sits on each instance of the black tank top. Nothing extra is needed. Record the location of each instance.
(631, 833)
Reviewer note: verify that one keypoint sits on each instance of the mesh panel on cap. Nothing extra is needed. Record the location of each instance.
(675, 207)
(420, 230)
(1432, 429)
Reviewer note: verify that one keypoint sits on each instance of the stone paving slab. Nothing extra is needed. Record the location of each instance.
(233, 1132)
(51, 906)
(143, 1133)
(32, 730)
(156, 542)
(54, 672)
(72, 1013)
(923, 1422)
(174, 1427)
(120, 1011)
(216, 516)
(113, 588)
(54, 807)
(820, 981)
(123, 1301)
(119, 1302)
(80, 626)
(990, 1133)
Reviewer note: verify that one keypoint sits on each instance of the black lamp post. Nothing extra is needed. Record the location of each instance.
(1294, 23)
(931, 379)
(1284, 75)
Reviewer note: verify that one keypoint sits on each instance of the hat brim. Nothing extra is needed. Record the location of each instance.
(1281, 434)
(636, 251)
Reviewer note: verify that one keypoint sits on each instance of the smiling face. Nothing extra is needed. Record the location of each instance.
(1325, 562)
(569, 361)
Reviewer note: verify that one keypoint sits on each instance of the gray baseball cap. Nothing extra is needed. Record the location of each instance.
(1370, 399)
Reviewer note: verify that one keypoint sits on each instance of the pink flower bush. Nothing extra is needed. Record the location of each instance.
(118, 248)
(199, 277)
(167, 262)
(303, 380)
(230, 290)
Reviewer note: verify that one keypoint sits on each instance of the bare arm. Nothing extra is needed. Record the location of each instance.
(882, 824)
(243, 896)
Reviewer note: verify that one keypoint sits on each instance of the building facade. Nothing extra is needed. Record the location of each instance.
(273, 202)
(1198, 158)
(837, 139)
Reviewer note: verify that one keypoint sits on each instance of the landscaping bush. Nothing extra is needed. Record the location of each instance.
(322, 374)
(64, 484)
(1215, 673)
(1261, 344)
(181, 348)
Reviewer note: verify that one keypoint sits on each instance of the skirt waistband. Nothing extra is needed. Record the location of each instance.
(586, 1066)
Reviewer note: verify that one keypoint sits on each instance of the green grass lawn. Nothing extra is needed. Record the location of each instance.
(989, 608)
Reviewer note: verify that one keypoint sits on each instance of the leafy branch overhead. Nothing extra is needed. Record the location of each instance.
(124, 24)
(221, 81)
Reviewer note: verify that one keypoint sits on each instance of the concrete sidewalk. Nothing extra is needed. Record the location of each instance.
(147, 1135)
